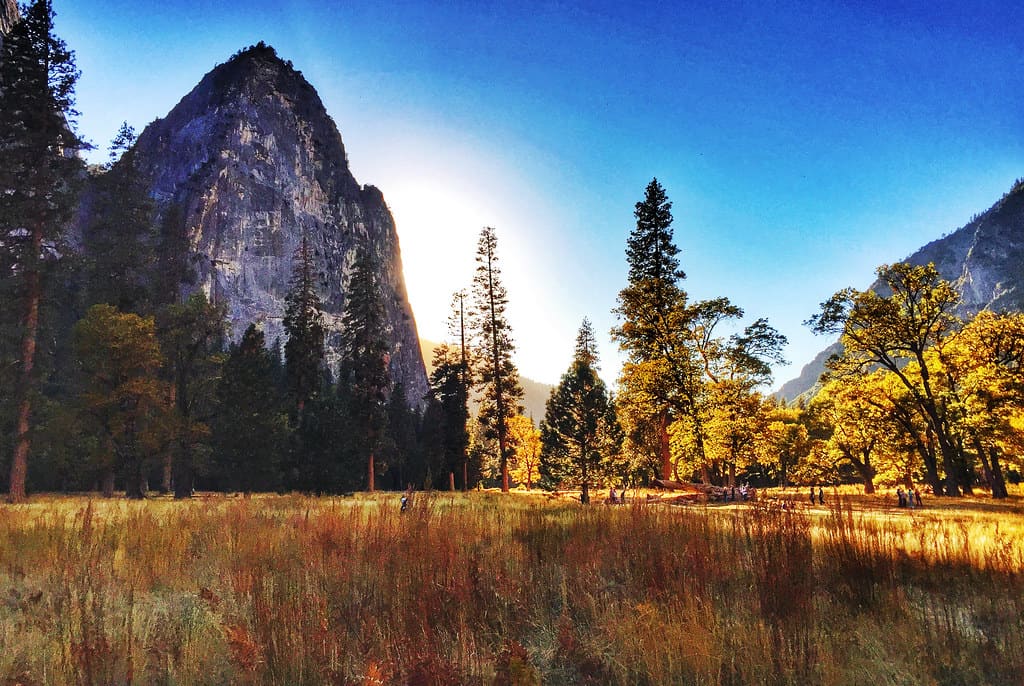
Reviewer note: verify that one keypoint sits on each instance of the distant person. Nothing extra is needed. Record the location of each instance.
(821, 496)
(611, 495)
(405, 502)
(910, 498)
(917, 496)
(900, 500)
(812, 495)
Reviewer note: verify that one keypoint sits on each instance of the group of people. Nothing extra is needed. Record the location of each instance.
(908, 498)
(821, 495)
(616, 498)
(742, 492)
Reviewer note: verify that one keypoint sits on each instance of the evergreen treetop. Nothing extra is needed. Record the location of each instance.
(649, 249)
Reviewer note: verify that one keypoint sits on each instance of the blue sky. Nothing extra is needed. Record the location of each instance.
(802, 144)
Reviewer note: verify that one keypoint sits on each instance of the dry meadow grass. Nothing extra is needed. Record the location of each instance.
(488, 589)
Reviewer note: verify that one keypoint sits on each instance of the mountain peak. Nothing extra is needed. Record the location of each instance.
(257, 63)
(256, 166)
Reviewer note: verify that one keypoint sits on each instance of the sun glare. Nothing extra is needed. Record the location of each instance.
(437, 227)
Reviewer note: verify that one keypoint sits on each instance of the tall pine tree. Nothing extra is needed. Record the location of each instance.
(364, 378)
(492, 340)
(304, 323)
(38, 171)
(653, 311)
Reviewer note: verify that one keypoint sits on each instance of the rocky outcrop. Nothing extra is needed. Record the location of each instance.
(9, 16)
(253, 161)
(984, 260)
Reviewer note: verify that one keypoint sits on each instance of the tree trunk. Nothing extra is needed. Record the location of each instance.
(135, 483)
(931, 463)
(998, 482)
(30, 319)
(184, 479)
(107, 483)
(664, 449)
(585, 493)
(167, 483)
(371, 483)
(950, 463)
(993, 470)
(19, 464)
(465, 475)
(451, 481)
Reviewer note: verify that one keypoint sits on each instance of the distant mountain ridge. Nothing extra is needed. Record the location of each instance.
(984, 259)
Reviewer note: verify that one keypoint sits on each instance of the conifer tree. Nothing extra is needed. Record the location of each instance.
(304, 323)
(364, 378)
(173, 264)
(121, 239)
(449, 389)
(660, 366)
(399, 446)
(497, 375)
(250, 426)
(571, 431)
(678, 363)
(38, 172)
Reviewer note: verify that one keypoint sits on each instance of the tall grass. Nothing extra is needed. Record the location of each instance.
(484, 589)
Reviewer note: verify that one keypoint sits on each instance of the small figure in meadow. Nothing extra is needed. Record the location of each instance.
(821, 495)
(405, 502)
(910, 498)
(917, 496)
(812, 495)
(611, 495)
(900, 500)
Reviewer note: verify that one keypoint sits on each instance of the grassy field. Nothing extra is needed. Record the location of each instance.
(519, 589)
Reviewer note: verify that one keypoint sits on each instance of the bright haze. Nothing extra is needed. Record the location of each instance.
(802, 144)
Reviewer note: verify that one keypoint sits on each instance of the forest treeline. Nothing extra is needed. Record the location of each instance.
(116, 377)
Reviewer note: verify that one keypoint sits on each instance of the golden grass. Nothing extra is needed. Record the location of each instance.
(483, 588)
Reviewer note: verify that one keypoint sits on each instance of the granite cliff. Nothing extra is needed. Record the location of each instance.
(252, 160)
(9, 15)
(984, 259)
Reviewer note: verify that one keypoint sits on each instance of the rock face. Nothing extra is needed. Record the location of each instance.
(253, 161)
(9, 15)
(984, 260)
